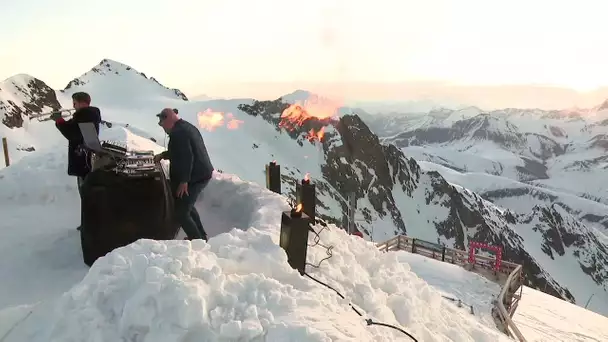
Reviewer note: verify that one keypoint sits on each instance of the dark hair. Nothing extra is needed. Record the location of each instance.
(82, 97)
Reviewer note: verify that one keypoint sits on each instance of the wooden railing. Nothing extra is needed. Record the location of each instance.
(507, 302)
(509, 275)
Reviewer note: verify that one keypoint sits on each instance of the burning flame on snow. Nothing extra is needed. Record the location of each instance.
(210, 120)
(297, 114)
(299, 208)
(307, 177)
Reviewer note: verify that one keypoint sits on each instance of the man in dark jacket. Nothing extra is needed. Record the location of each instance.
(79, 162)
(190, 169)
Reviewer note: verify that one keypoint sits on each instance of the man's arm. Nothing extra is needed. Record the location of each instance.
(181, 157)
(69, 128)
(161, 156)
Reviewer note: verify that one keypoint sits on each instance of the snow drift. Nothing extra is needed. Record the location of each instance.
(239, 286)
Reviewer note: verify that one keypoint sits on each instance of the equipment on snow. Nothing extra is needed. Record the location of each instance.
(125, 197)
(295, 225)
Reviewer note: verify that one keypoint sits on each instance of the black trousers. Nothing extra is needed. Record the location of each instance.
(80, 182)
(186, 213)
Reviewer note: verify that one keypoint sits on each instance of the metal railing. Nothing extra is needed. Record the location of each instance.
(507, 300)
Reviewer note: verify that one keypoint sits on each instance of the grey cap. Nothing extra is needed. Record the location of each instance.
(163, 113)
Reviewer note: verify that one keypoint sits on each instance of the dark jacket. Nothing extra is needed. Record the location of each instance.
(79, 163)
(187, 153)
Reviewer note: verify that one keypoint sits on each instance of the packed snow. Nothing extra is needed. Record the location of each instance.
(237, 286)
(543, 318)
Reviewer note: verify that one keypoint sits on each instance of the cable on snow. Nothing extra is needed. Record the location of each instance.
(329, 249)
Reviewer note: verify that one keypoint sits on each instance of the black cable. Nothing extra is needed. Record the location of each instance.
(369, 321)
(328, 249)
(336, 291)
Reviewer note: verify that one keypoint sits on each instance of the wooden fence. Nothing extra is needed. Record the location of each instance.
(509, 275)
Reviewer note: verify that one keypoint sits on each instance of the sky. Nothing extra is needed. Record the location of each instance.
(236, 47)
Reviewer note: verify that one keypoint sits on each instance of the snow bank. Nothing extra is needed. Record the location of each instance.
(239, 286)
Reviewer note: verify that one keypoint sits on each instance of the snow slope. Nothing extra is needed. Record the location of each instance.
(524, 202)
(549, 148)
(236, 287)
(541, 318)
(23, 95)
(546, 167)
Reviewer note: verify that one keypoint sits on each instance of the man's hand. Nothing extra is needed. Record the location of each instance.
(55, 116)
(158, 157)
(182, 189)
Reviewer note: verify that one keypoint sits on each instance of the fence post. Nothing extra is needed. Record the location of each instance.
(443, 254)
(5, 148)
(414, 245)
(273, 177)
(352, 204)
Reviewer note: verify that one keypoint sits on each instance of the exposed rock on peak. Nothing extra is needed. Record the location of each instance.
(108, 68)
(23, 95)
(392, 191)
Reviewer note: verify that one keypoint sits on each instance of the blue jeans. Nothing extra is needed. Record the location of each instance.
(185, 211)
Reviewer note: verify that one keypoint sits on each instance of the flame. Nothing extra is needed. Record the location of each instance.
(307, 177)
(312, 135)
(210, 120)
(313, 108)
(233, 123)
(299, 208)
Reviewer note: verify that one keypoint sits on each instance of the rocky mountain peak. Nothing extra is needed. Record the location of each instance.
(111, 68)
(603, 106)
(23, 95)
(392, 191)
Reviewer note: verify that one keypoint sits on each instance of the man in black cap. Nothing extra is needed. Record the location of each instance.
(190, 169)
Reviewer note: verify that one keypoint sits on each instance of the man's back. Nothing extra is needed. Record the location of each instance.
(186, 137)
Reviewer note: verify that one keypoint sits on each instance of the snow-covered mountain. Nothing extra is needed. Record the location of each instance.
(395, 195)
(534, 163)
(122, 82)
(22, 95)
